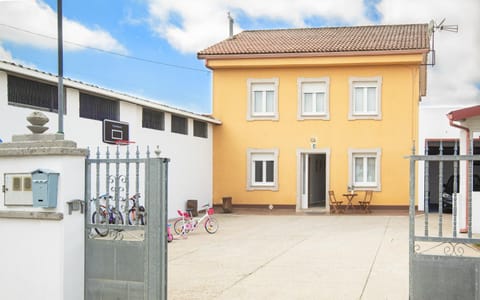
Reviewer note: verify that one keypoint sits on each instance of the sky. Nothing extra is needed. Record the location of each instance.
(147, 48)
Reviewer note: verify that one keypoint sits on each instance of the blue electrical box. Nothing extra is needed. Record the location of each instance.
(44, 188)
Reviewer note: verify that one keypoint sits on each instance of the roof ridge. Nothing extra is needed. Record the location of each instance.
(334, 27)
(340, 39)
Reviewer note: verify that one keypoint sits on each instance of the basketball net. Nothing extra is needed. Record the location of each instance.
(123, 142)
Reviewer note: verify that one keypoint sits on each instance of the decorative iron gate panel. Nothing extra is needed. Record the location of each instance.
(444, 263)
(125, 226)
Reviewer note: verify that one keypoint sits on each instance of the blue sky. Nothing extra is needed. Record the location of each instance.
(148, 47)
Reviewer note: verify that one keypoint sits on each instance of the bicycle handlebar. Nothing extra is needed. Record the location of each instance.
(106, 195)
(135, 197)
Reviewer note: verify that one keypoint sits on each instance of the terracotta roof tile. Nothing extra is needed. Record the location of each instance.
(324, 40)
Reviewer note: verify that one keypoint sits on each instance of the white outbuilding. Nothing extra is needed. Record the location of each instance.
(182, 136)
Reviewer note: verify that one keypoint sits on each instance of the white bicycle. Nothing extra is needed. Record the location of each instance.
(186, 223)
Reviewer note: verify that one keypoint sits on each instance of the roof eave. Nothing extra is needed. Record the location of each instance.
(464, 113)
(311, 54)
(13, 68)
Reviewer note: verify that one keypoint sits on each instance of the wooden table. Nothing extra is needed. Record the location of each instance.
(349, 197)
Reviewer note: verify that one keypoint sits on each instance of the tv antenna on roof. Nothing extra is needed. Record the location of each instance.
(432, 27)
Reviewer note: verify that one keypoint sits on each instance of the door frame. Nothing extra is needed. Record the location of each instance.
(300, 176)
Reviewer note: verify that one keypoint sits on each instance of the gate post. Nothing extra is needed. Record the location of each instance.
(411, 242)
(42, 245)
(155, 235)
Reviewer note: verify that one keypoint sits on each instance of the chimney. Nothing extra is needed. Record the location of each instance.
(230, 23)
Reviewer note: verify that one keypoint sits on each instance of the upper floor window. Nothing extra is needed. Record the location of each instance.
(98, 108)
(179, 124)
(365, 98)
(35, 94)
(200, 128)
(313, 98)
(262, 169)
(262, 99)
(153, 119)
(365, 168)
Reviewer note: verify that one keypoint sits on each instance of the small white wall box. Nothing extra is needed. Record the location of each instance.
(44, 188)
(18, 189)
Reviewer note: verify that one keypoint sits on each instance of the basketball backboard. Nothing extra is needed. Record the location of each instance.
(114, 131)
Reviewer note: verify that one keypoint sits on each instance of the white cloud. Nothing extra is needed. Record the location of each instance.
(5, 54)
(452, 80)
(192, 25)
(34, 23)
(189, 25)
(295, 12)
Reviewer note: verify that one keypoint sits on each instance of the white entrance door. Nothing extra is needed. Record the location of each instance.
(304, 180)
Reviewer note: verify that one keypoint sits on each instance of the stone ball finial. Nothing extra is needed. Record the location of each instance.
(158, 151)
(37, 119)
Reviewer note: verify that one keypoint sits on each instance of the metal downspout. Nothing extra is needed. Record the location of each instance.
(467, 130)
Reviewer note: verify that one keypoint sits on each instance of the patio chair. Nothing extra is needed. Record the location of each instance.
(335, 206)
(365, 203)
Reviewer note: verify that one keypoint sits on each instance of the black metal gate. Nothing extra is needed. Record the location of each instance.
(125, 226)
(444, 262)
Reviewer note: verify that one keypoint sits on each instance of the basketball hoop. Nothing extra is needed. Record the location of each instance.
(123, 142)
(115, 131)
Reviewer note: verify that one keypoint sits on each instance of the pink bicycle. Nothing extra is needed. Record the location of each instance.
(169, 234)
(186, 223)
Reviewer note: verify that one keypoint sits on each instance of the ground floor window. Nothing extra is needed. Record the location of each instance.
(365, 168)
(262, 169)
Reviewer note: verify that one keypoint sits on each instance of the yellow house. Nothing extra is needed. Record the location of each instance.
(305, 111)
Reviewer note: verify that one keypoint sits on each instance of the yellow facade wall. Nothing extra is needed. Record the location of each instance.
(394, 134)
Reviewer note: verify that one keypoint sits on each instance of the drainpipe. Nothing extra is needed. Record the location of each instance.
(467, 173)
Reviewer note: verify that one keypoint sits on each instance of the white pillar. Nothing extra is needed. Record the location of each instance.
(42, 249)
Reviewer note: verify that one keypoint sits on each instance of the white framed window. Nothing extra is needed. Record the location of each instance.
(365, 98)
(262, 169)
(262, 99)
(313, 100)
(364, 171)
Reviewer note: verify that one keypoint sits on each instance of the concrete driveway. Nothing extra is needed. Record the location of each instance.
(293, 257)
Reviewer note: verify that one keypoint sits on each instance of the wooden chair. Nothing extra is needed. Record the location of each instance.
(365, 203)
(335, 206)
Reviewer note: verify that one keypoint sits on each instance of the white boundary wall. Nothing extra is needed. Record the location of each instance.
(190, 168)
(44, 259)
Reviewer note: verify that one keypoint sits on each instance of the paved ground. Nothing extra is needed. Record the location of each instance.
(289, 256)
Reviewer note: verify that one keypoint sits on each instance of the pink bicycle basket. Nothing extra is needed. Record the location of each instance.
(211, 211)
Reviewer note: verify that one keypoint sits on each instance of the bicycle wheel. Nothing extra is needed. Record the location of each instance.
(133, 216)
(101, 220)
(211, 225)
(142, 216)
(119, 216)
(169, 234)
(179, 225)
